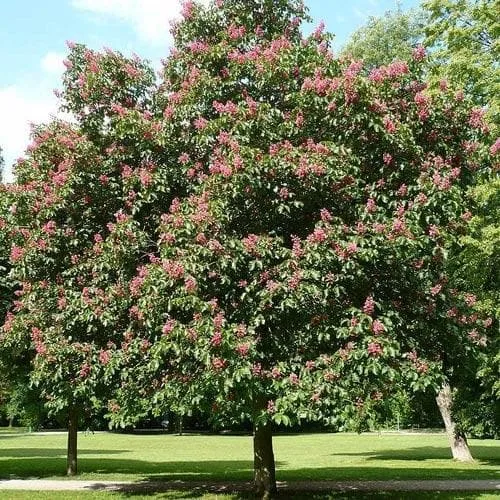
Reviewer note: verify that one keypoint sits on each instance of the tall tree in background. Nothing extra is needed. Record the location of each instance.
(387, 38)
(464, 36)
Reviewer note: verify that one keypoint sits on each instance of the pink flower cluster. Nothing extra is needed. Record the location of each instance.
(392, 71)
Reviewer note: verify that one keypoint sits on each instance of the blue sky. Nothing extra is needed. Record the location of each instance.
(33, 35)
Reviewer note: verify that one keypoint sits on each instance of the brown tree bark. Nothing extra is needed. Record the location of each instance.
(458, 441)
(264, 466)
(72, 469)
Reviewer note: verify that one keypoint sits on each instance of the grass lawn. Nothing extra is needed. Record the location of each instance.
(108, 456)
(177, 495)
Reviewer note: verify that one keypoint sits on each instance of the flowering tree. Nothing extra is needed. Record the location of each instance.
(67, 206)
(461, 32)
(300, 271)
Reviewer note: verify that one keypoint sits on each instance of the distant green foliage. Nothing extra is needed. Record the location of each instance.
(387, 38)
(478, 263)
(465, 39)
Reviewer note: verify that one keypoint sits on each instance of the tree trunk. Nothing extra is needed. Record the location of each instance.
(458, 441)
(264, 467)
(72, 441)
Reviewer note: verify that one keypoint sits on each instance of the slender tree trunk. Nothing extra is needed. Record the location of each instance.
(458, 441)
(264, 467)
(72, 441)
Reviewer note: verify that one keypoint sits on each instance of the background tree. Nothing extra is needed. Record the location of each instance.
(464, 36)
(387, 38)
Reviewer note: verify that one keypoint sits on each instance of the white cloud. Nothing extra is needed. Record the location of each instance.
(52, 63)
(149, 18)
(19, 108)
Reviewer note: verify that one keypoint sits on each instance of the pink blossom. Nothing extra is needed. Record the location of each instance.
(190, 284)
(419, 53)
(295, 280)
(184, 158)
(243, 349)
(49, 227)
(104, 357)
(470, 299)
(187, 9)
(387, 158)
(299, 120)
(317, 236)
(397, 68)
(16, 253)
(351, 248)
(236, 32)
(495, 148)
(126, 171)
(476, 119)
(436, 289)
(198, 47)
(85, 370)
(219, 364)
(145, 177)
(398, 226)
(369, 305)
(256, 369)
(433, 231)
(174, 269)
(272, 285)
(297, 249)
(216, 339)
(326, 216)
(200, 123)
(271, 406)
(389, 125)
(168, 112)
(284, 193)
(250, 243)
(168, 327)
(374, 349)
(228, 108)
(403, 190)
(294, 379)
(121, 216)
(378, 327)
(378, 75)
(371, 206)
(421, 99)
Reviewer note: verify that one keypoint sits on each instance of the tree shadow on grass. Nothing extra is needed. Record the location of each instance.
(51, 452)
(212, 470)
(230, 470)
(485, 455)
(336, 495)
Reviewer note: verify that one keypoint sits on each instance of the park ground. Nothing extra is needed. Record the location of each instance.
(210, 459)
